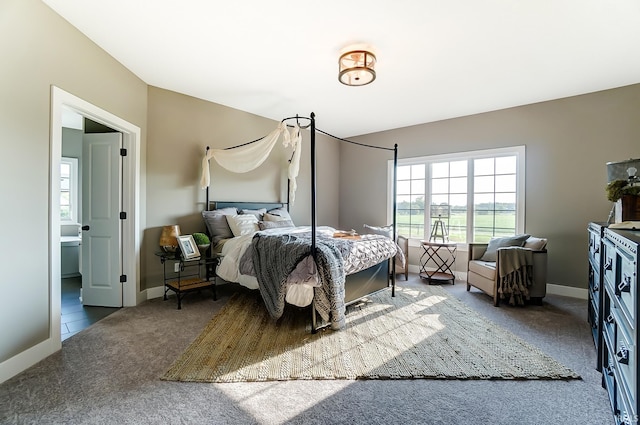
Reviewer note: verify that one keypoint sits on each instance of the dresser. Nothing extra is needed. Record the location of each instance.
(594, 314)
(613, 278)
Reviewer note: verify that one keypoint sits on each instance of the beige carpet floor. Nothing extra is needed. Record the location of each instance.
(427, 334)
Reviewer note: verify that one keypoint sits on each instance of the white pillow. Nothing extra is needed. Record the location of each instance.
(536, 244)
(243, 224)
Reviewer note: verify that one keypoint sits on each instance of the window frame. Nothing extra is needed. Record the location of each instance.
(518, 151)
(73, 190)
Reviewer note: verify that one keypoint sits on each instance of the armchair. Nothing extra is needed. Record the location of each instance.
(403, 243)
(483, 274)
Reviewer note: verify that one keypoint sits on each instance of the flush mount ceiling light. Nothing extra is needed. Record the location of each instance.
(357, 68)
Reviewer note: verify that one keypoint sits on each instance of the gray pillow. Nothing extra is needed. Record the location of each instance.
(258, 213)
(216, 222)
(495, 243)
(264, 225)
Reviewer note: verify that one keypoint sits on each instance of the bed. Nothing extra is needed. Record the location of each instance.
(314, 265)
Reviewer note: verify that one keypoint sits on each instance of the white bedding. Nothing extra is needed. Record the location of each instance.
(300, 282)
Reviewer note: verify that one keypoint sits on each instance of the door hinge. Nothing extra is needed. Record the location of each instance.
(123, 215)
(123, 278)
(123, 152)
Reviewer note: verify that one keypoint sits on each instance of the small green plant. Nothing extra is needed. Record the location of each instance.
(201, 239)
(616, 189)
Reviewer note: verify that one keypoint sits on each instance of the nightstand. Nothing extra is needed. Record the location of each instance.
(186, 276)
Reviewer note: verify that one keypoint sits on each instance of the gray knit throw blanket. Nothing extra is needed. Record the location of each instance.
(276, 256)
(515, 274)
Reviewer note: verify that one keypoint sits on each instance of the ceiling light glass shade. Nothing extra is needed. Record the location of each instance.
(357, 68)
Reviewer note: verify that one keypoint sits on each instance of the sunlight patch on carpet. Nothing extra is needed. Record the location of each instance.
(419, 334)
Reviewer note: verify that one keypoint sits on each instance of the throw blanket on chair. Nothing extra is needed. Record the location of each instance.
(275, 256)
(515, 274)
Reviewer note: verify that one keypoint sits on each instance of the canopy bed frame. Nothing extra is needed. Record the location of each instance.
(357, 285)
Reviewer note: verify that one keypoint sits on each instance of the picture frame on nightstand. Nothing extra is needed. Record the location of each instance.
(188, 248)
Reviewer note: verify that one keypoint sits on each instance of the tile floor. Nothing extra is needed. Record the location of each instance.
(75, 316)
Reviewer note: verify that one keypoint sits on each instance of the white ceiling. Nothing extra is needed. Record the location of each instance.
(436, 59)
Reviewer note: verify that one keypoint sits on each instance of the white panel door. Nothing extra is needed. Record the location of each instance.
(101, 247)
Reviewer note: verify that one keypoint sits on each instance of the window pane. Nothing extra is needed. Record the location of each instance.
(458, 201)
(417, 203)
(440, 169)
(484, 202)
(506, 165)
(417, 171)
(506, 183)
(64, 198)
(417, 187)
(483, 184)
(64, 184)
(439, 199)
(458, 169)
(65, 212)
(505, 223)
(404, 187)
(506, 201)
(65, 170)
(404, 172)
(458, 185)
(440, 186)
(403, 201)
(483, 167)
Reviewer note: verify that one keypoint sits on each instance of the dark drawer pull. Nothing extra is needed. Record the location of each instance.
(625, 285)
(597, 249)
(623, 354)
(609, 370)
(610, 318)
(609, 264)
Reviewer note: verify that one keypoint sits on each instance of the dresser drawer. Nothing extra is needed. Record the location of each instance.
(624, 354)
(609, 262)
(594, 284)
(624, 413)
(625, 284)
(594, 247)
(608, 374)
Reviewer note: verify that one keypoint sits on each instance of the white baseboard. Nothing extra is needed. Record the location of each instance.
(565, 291)
(24, 360)
(155, 292)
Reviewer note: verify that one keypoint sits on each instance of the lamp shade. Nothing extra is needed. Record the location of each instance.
(618, 170)
(168, 238)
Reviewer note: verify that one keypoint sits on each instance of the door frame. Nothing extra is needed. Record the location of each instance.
(131, 240)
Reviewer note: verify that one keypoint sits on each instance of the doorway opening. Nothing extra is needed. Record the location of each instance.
(129, 241)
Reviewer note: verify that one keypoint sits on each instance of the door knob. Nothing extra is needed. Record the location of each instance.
(85, 227)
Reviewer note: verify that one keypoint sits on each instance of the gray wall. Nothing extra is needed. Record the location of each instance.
(568, 142)
(39, 49)
(180, 128)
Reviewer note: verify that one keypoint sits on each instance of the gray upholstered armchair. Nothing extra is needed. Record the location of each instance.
(485, 265)
(403, 243)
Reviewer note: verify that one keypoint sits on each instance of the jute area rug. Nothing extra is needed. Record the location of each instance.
(418, 334)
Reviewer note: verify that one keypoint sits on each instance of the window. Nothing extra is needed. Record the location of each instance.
(476, 195)
(69, 190)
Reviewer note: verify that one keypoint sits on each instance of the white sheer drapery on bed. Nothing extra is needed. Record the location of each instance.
(250, 156)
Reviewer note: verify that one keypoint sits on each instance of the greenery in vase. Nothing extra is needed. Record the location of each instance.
(616, 189)
(201, 239)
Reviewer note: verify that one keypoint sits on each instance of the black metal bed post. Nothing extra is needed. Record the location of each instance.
(206, 206)
(395, 206)
(313, 186)
(313, 214)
